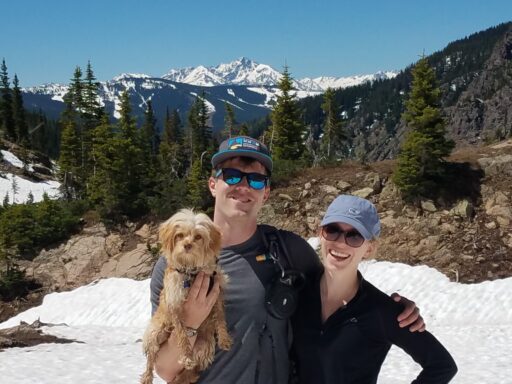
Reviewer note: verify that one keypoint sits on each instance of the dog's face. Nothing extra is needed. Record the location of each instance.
(190, 240)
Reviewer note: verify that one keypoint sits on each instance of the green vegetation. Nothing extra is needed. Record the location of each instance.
(421, 160)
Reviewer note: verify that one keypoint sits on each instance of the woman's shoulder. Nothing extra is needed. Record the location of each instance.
(381, 302)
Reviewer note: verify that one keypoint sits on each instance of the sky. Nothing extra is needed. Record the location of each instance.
(43, 41)
(108, 318)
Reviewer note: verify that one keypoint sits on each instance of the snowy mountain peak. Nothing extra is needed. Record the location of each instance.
(244, 71)
(123, 76)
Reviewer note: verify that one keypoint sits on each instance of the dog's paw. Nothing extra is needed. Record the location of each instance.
(225, 343)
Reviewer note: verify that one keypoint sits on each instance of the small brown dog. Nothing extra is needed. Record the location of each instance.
(191, 243)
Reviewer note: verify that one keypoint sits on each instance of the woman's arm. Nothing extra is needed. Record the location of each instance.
(437, 363)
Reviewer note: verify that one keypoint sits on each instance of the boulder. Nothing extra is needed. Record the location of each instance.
(364, 193)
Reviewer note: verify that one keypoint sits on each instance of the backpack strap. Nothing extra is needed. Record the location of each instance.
(276, 247)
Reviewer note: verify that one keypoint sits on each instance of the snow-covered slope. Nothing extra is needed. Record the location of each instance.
(108, 317)
(18, 188)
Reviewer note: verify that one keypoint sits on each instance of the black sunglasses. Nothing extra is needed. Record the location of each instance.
(234, 176)
(333, 232)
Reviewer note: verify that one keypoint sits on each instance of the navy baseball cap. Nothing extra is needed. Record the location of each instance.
(243, 146)
(355, 211)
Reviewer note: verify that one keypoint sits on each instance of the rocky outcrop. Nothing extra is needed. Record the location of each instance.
(482, 111)
(95, 253)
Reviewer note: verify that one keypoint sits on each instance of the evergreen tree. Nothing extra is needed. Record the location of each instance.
(171, 190)
(229, 122)
(333, 136)
(7, 120)
(287, 136)
(149, 136)
(197, 191)
(107, 181)
(90, 96)
(173, 153)
(133, 201)
(200, 134)
(90, 115)
(20, 122)
(244, 130)
(70, 154)
(421, 160)
(149, 150)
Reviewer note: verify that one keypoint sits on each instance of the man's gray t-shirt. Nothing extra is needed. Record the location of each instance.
(260, 342)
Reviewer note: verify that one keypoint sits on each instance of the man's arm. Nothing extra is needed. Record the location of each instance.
(410, 316)
(196, 309)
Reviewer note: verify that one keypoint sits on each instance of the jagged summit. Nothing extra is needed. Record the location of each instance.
(244, 71)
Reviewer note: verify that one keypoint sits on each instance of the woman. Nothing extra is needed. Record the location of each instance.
(344, 326)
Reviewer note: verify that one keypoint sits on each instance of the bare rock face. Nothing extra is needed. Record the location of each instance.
(92, 254)
(133, 264)
(482, 107)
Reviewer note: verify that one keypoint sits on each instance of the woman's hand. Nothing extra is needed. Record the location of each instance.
(199, 302)
(410, 315)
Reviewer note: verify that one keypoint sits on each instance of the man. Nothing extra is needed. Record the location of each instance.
(240, 186)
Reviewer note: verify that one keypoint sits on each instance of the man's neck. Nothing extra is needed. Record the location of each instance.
(235, 231)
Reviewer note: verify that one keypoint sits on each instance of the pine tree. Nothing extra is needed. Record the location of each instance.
(173, 162)
(199, 133)
(106, 181)
(421, 160)
(70, 154)
(149, 136)
(287, 137)
(229, 122)
(20, 122)
(90, 96)
(6, 114)
(132, 171)
(172, 150)
(333, 136)
(90, 115)
(244, 130)
(197, 192)
(149, 150)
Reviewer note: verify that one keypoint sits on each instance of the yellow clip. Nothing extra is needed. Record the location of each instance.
(261, 258)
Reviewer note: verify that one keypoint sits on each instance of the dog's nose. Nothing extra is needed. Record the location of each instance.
(187, 247)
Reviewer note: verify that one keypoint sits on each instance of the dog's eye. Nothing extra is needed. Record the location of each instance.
(197, 237)
(179, 236)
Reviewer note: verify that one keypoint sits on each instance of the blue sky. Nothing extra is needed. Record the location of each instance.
(43, 41)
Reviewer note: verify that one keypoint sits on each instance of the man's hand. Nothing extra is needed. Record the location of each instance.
(199, 302)
(410, 315)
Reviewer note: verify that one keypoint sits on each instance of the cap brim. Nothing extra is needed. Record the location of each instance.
(229, 154)
(350, 221)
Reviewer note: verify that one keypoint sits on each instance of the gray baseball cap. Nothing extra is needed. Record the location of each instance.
(243, 146)
(355, 211)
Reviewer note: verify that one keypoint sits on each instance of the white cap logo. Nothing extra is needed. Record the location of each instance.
(353, 211)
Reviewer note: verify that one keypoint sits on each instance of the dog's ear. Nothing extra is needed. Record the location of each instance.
(215, 239)
(166, 235)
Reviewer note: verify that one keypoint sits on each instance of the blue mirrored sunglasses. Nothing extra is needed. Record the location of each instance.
(233, 176)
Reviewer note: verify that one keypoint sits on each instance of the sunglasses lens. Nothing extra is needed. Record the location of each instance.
(231, 176)
(257, 180)
(354, 239)
(331, 232)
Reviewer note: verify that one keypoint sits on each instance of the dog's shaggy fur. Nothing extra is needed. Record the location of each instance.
(191, 243)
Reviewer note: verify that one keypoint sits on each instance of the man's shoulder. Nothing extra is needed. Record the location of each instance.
(302, 254)
(287, 236)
